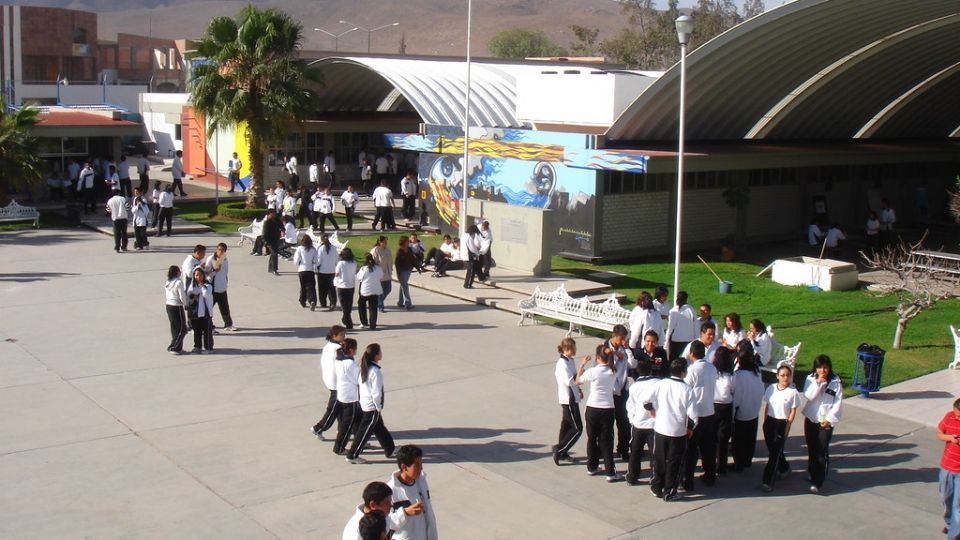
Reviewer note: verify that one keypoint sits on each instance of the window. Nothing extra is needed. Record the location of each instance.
(178, 132)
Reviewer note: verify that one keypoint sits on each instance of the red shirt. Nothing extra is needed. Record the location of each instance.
(950, 461)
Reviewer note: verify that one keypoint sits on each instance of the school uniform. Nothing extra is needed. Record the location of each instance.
(155, 206)
(306, 260)
(747, 398)
(327, 258)
(702, 379)
(218, 273)
(349, 201)
(726, 387)
(348, 397)
(779, 403)
(345, 281)
(165, 215)
(371, 416)
(568, 394)
(600, 418)
(709, 351)
(471, 245)
(762, 347)
(673, 402)
(176, 299)
(370, 291)
(732, 337)
(351, 531)
(624, 362)
(85, 185)
(189, 264)
(117, 206)
(486, 257)
(641, 424)
(681, 329)
(383, 202)
(200, 313)
(420, 527)
(824, 402)
(324, 205)
(641, 321)
(141, 217)
(328, 357)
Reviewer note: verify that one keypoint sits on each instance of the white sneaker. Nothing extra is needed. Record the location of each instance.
(230, 329)
(616, 477)
(356, 460)
(814, 490)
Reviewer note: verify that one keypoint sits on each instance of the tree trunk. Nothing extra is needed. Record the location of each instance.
(901, 327)
(255, 198)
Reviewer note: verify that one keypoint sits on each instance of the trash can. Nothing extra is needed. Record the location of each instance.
(74, 211)
(866, 373)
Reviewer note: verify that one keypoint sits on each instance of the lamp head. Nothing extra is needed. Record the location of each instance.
(684, 28)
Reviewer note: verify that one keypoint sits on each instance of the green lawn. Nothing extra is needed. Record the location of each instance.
(832, 323)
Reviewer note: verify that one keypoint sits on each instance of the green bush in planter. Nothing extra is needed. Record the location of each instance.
(239, 211)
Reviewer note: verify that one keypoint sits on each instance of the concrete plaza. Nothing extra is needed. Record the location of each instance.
(104, 435)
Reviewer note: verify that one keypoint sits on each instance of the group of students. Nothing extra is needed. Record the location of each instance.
(315, 206)
(690, 405)
(399, 508)
(473, 254)
(356, 396)
(191, 292)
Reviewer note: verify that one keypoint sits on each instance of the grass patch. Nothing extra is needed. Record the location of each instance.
(48, 220)
(831, 323)
(205, 213)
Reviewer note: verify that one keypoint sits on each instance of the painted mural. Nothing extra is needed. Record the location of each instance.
(538, 169)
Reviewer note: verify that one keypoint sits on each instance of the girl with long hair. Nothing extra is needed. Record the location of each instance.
(371, 407)
(405, 263)
(747, 398)
(569, 394)
(200, 296)
(176, 299)
(345, 281)
(327, 259)
(306, 260)
(336, 337)
(723, 404)
(780, 403)
(824, 394)
(600, 414)
(369, 277)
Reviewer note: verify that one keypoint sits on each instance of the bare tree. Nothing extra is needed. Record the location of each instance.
(752, 8)
(955, 201)
(917, 282)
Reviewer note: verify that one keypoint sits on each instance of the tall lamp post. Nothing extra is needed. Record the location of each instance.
(336, 37)
(369, 30)
(466, 131)
(684, 29)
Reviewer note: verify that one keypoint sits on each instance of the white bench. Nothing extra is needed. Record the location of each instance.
(956, 347)
(781, 355)
(578, 312)
(15, 212)
(252, 231)
(315, 236)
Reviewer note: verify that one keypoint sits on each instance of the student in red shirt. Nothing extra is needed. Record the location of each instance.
(948, 431)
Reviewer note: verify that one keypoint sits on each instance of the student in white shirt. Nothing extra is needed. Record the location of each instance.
(641, 422)
(291, 167)
(814, 234)
(143, 173)
(366, 176)
(155, 203)
(330, 168)
(348, 394)
(662, 305)
(313, 174)
(569, 394)
(305, 258)
(176, 298)
(87, 188)
(780, 403)
(192, 261)
(834, 236)
(471, 245)
(887, 218)
(383, 202)
(117, 207)
(384, 258)
(200, 295)
(644, 318)
(177, 170)
(233, 167)
(371, 407)
(726, 388)
(217, 267)
(408, 192)
(289, 204)
(675, 416)
(824, 394)
(289, 237)
(732, 331)
(410, 487)
(325, 206)
(702, 380)
(600, 415)
(368, 278)
(761, 341)
(141, 217)
(345, 281)
(165, 202)
(336, 337)
(349, 200)
(453, 259)
(123, 174)
(625, 363)
(378, 498)
(873, 230)
(681, 329)
(327, 259)
(746, 409)
(486, 257)
(708, 335)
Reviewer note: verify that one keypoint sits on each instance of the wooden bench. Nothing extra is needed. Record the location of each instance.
(252, 231)
(956, 347)
(14, 212)
(578, 312)
(781, 355)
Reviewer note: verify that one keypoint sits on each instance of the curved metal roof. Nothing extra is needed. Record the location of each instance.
(434, 89)
(814, 69)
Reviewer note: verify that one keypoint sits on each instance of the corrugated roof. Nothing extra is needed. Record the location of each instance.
(434, 89)
(814, 69)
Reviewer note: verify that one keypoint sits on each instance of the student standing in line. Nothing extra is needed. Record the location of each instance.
(306, 260)
(824, 395)
(371, 287)
(345, 281)
(569, 394)
(217, 267)
(641, 421)
(410, 487)
(655, 355)
(117, 207)
(200, 294)
(671, 405)
(780, 401)
(472, 246)
(176, 299)
(377, 497)
(600, 413)
(681, 330)
(371, 407)
(726, 388)
(746, 409)
(384, 258)
(948, 431)
(348, 394)
(327, 259)
(328, 357)
(702, 379)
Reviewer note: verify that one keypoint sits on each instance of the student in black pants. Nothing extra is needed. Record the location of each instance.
(336, 337)
(272, 234)
(780, 403)
(371, 407)
(348, 394)
(723, 405)
(622, 359)
(599, 417)
(674, 422)
(345, 281)
(641, 422)
(747, 397)
(569, 394)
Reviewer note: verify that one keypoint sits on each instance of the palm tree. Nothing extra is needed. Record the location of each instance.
(249, 74)
(20, 165)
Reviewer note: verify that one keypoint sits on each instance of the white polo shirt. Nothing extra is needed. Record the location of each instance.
(779, 402)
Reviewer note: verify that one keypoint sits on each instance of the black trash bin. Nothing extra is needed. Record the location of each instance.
(866, 373)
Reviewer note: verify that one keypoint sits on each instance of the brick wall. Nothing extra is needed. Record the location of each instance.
(637, 220)
(706, 216)
(50, 31)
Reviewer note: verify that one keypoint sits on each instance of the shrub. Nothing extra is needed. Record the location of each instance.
(239, 211)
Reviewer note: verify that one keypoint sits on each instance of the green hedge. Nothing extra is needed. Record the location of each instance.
(239, 211)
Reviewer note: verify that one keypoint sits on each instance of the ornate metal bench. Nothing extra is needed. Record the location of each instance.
(315, 236)
(956, 347)
(15, 212)
(252, 231)
(781, 355)
(578, 312)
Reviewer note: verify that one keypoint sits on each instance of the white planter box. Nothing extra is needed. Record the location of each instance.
(830, 276)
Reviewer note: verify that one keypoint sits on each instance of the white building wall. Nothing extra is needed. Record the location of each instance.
(161, 116)
(546, 97)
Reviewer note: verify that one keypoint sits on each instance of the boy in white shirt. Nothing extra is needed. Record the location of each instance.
(641, 422)
(409, 485)
(671, 405)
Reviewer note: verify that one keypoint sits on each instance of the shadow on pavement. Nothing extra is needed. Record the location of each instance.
(455, 433)
(27, 277)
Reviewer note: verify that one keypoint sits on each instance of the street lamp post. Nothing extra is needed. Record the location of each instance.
(369, 30)
(336, 37)
(464, 196)
(684, 29)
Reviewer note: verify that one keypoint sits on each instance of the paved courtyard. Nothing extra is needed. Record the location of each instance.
(106, 436)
